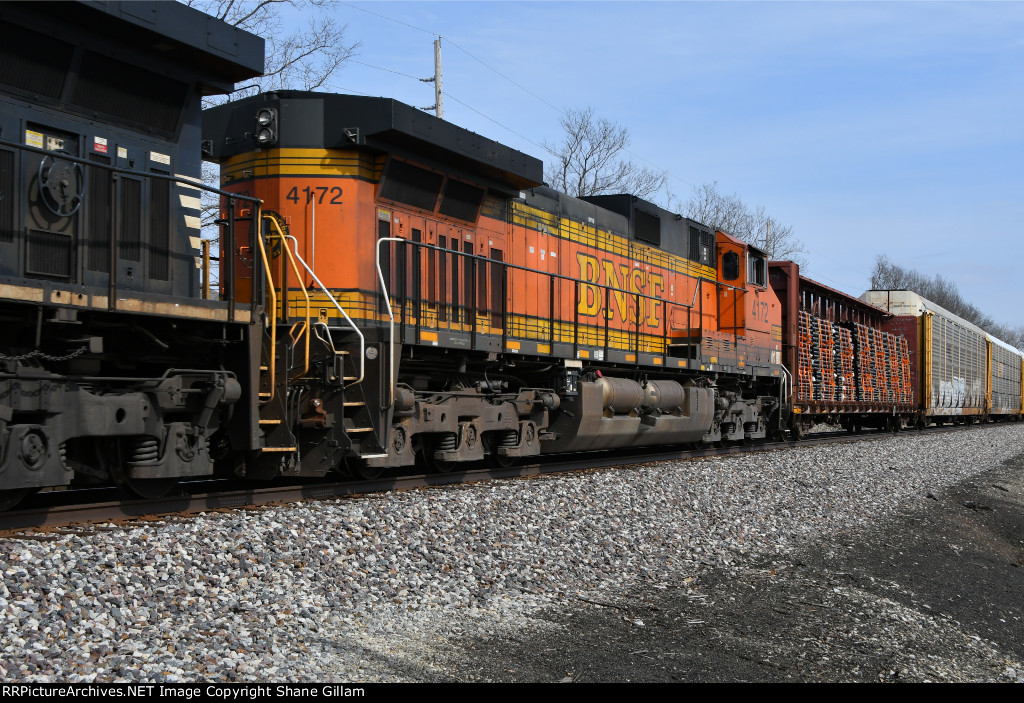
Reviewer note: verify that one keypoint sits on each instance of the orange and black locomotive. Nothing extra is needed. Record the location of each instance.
(435, 299)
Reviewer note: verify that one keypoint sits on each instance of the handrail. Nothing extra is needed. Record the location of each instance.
(362, 338)
(179, 179)
(273, 313)
(787, 381)
(391, 319)
(284, 301)
(607, 289)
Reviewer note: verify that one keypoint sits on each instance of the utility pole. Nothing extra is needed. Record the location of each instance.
(438, 106)
(768, 238)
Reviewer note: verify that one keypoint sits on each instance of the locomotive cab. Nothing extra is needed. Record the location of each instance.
(745, 304)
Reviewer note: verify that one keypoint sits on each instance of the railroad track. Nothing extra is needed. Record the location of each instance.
(54, 509)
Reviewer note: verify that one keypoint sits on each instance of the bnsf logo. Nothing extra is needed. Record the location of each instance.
(620, 304)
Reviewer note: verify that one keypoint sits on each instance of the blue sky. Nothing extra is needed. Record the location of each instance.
(868, 127)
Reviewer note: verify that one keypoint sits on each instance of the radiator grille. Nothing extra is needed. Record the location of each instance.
(33, 62)
(128, 92)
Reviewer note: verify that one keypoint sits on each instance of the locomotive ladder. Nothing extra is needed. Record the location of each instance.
(275, 389)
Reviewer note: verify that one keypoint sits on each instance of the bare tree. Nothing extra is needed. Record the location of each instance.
(589, 161)
(940, 290)
(305, 58)
(729, 213)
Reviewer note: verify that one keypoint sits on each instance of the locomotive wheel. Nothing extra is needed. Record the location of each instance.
(699, 445)
(110, 458)
(495, 460)
(13, 496)
(499, 461)
(359, 468)
(437, 466)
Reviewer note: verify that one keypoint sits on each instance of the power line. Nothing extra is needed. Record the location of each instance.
(486, 117)
(560, 111)
(385, 17)
(381, 68)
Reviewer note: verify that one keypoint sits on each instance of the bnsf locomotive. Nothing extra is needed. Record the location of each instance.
(393, 290)
(433, 299)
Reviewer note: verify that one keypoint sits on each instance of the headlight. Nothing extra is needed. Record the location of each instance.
(266, 126)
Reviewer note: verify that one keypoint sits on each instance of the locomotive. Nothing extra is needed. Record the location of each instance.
(112, 366)
(440, 302)
(393, 290)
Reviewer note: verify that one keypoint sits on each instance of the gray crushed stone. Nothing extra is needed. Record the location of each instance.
(383, 587)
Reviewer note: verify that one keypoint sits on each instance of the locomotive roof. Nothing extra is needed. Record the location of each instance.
(215, 49)
(326, 120)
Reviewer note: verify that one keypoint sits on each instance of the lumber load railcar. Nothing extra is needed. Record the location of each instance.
(961, 373)
(432, 299)
(112, 368)
(848, 367)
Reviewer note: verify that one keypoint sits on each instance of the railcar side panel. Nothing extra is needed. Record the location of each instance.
(1004, 379)
(953, 359)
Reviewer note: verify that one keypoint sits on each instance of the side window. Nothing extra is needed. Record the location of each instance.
(755, 270)
(730, 266)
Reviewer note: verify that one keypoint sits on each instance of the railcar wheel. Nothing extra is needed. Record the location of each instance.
(111, 457)
(12, 496)
(699, 445)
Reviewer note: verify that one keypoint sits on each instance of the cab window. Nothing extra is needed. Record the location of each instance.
(755, 270)
(730, 266)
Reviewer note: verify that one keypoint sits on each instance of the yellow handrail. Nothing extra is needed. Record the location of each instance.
(273, 309)
(306, 328)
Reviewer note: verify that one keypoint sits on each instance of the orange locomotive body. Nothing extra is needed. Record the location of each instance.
(431, 298)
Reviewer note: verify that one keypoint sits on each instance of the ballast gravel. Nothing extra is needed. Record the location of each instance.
(385, 587)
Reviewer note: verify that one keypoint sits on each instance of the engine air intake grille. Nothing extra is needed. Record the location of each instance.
(159, 230)
(49, 254)
(98, 215)
(6, 195)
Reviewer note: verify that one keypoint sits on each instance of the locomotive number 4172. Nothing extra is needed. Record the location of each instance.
(317, 193)
(760, 311)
